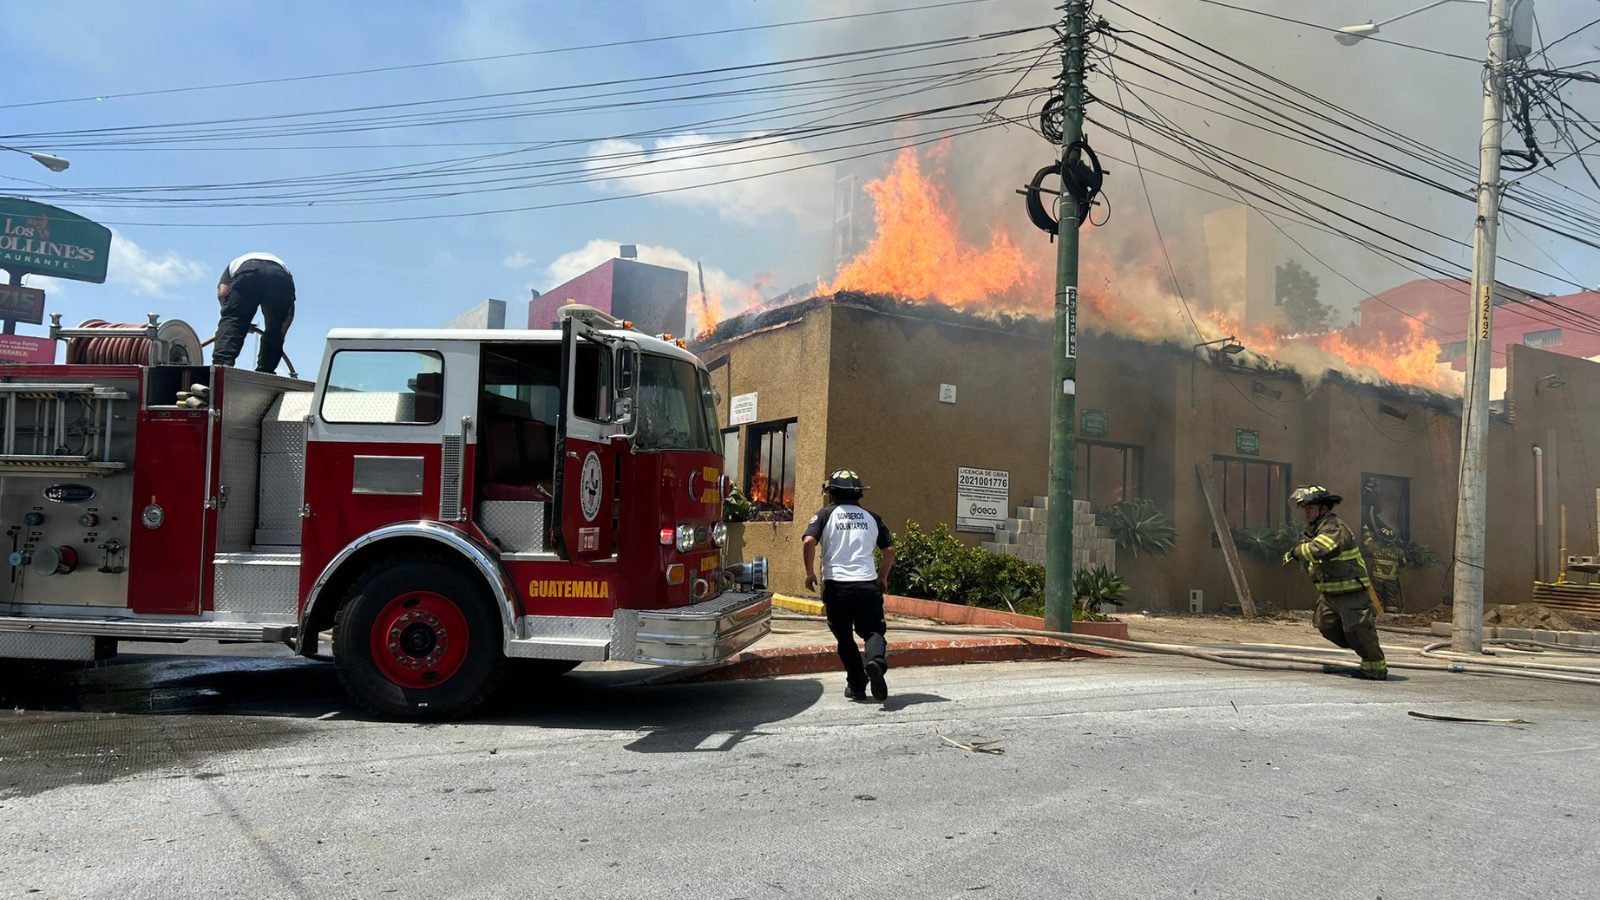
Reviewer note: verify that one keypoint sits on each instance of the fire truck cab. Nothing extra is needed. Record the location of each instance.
(442, 502)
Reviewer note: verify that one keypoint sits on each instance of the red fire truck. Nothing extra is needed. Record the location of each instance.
(442, 502)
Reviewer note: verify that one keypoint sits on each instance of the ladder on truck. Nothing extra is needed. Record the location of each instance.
(68, 429)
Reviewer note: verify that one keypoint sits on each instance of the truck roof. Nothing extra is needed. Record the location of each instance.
(501, 336)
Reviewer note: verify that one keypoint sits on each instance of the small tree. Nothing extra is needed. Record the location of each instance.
(1296, 291)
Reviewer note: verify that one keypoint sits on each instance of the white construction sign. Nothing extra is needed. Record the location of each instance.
(983, 497)
(742, 409)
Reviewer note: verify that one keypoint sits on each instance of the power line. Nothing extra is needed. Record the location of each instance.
(501, 56)
(1332, 30)
(942, 135)
(252, 125)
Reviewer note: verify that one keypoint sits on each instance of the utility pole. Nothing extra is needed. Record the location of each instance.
(1471, 492)
(1058, 570)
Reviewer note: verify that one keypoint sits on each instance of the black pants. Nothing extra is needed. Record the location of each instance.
(856, 606)
(263, 284)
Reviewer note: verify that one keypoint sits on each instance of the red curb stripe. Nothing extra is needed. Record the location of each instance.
(902, 654)
(957, 614)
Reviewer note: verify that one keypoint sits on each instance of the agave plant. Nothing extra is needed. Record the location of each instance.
(1093, 588)
(1141, 528)
(1265, 543)
(1417, 555)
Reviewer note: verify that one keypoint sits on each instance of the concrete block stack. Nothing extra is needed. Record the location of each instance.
(1024, 536)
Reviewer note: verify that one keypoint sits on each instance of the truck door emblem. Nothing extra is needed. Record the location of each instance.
(591, 485)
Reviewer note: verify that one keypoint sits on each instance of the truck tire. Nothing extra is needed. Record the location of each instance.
(416, 638)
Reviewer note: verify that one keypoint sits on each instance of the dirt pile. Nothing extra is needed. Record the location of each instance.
(1532, 615)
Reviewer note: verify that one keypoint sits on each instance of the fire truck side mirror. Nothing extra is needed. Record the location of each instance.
(627, 370)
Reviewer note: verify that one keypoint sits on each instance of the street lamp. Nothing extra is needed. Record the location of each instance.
(49, 161)
(1350, 35)
(1230, 347)
(1552, 382)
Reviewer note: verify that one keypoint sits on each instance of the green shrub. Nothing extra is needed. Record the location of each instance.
(934, 565)
(1266, 544)
(1140, 528)
(738, 507)
(1417, 555)
(1092, 589)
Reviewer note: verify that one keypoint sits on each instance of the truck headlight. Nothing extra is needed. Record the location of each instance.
(719, 534)
(685, 538)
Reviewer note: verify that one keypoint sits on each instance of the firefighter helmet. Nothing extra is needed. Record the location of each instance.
(1314, 495)
(844, 481)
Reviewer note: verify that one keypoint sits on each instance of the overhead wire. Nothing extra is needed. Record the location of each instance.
(602, 45)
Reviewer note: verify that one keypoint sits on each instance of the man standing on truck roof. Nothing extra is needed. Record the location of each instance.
(852, 583)
(254, 280)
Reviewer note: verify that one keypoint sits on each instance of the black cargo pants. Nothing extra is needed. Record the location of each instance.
(857, 606)
(257, 284)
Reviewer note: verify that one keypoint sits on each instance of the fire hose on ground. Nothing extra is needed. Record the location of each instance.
(1264, 659)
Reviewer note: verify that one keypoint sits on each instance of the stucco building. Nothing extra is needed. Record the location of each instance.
(910, 395)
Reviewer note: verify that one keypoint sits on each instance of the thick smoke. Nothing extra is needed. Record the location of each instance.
(1433, 98)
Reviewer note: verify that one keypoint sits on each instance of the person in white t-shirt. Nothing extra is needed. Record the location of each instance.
(852, 582)
(254, 281)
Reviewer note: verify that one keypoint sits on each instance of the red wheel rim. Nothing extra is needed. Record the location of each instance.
(419, 639)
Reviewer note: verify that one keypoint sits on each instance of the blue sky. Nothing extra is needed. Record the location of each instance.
(402, 274)
(776, 230)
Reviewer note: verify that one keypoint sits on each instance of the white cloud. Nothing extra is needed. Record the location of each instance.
(517, 260)
(138, 271)
(148, 274)
(698, 175)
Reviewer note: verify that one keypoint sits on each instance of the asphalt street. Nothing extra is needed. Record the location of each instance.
(176, 776)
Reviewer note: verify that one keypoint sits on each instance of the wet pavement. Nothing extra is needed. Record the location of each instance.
(167, 774)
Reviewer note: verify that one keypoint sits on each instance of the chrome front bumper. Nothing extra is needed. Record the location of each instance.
(700, 635)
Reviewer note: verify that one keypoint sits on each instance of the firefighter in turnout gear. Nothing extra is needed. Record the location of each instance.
(852, 583)
(1381, 545)
(1344, 612)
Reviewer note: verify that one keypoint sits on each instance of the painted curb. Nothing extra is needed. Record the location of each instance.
(798, 604)
(957, 614)
(814, 659)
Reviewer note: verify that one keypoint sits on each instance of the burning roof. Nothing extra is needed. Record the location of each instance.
(919, 264)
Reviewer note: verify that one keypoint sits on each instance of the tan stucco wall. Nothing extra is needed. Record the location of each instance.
(886, 421)
(787, 368)
(872, 381)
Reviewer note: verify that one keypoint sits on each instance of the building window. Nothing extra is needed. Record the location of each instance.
(732, 462)
(1109, 473)
(769, 466)
(384, 387)
(1386, 502)
(1452, 351)
(1550, 337)
(1255, 492)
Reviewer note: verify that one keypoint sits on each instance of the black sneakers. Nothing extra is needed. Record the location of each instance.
(880, 688)
(851, 692)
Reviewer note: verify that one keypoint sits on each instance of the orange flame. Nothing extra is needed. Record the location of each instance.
(1125, 287)
(1412, 360)
(767, 492)
(917, 253)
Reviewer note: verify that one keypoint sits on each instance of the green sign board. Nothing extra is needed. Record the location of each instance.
(1247, 441)
(1092, 423)
(43, 240)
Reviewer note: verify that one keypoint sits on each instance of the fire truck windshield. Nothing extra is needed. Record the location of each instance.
(676, 409)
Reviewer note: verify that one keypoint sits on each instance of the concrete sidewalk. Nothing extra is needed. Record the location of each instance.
(805, 646)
